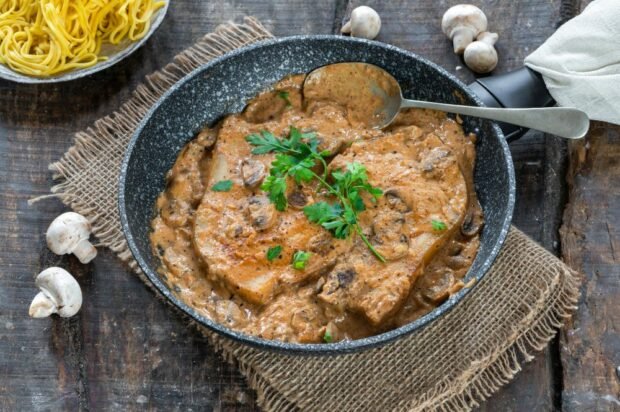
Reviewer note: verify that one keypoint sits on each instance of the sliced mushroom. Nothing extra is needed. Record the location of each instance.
(319, 284)
(454, 248)
(345, 277)
(229, 313)
(305, 322)
(262, 212)
(252, 172)
(297, 199)
(388, 234)
(207, 138)
(472, 223)
(457, 262)
(437, 289)
(395, 201)
(432, 160)
(340, 278)
(321, 243)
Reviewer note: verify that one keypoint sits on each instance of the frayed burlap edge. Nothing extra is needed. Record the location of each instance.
(487, 373)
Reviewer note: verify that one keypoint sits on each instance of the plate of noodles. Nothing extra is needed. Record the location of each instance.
(50, 41)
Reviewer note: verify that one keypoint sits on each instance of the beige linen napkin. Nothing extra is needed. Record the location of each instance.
(580, 62)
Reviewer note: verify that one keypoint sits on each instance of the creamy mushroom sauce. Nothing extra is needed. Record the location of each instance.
(212, 245)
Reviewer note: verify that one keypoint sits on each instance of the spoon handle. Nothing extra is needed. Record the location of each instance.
(561, 121)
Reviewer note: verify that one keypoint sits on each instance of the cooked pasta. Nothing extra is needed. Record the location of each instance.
(46, 37)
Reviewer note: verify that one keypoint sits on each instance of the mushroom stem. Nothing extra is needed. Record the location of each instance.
(462, 37)
(488, 38)
(85, 251)
(42, 306)
(346, 29)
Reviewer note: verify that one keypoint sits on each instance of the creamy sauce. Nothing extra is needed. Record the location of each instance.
(212, 245)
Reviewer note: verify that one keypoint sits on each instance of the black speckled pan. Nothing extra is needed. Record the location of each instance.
(225, 84)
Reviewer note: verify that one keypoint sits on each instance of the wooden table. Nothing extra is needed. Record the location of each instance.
(128, 351)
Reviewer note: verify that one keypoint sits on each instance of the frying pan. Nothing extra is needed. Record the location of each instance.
(224, 85)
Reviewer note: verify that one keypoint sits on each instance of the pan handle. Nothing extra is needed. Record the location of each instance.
(520, 88)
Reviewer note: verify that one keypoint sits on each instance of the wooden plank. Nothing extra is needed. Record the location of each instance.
(39, 366)
(590, 348)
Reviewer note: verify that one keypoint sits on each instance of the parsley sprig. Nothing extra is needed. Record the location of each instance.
(340, 218)
(297, 156)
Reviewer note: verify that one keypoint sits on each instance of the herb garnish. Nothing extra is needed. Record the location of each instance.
(222, 186)
(327, 337)
(283, 94)
(300, 258)
(340, 218)
(274, 252)
(438, 225)
(296, 156)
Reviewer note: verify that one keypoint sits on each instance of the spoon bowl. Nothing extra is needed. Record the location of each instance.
(351, 84)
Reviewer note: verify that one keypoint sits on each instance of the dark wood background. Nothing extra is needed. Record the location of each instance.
(128, 351)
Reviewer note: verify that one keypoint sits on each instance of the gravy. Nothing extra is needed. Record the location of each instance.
(212, 244)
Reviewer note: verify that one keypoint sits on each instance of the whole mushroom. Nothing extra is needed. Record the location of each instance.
(60, 293)
(365, 23)
(462, 23)
(69, 233)
(481, 56)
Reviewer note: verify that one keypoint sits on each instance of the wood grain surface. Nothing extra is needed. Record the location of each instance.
(591, 243)
(128, 351)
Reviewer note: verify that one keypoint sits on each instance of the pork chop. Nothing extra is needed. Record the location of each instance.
(425, 199)
(233, 230)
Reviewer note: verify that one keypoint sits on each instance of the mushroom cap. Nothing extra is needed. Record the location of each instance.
(66, 231)
(461, 16)
(480, 56)
(365, 23)
(60, 293)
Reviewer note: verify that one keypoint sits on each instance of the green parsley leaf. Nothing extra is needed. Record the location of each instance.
(296, 156)
(356, 201)
(266, 142)
(320, 212)
(300, 258)
(274, 252)
(222, 186)
(327, 337)
(438, 225)
(276, 189)
(283, 94)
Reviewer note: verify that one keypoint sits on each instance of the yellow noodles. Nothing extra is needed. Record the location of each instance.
(46, 37)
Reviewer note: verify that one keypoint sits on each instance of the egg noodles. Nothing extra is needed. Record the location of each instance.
(46, 37)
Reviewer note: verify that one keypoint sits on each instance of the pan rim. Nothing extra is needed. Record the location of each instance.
(323, 348)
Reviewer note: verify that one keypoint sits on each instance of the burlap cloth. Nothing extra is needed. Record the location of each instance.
(452, 364)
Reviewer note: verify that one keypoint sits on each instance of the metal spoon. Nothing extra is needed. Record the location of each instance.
(374, 97)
